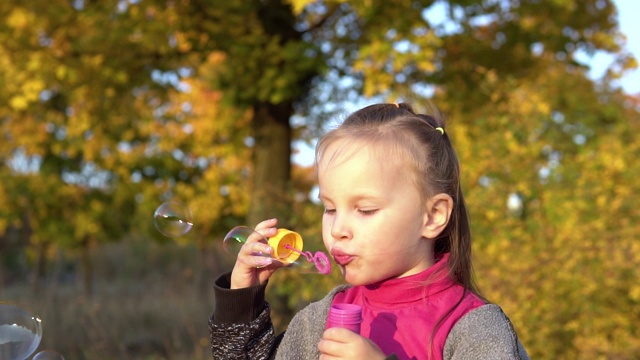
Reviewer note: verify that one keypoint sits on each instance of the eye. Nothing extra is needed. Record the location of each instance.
(367, 211)
(329, 211)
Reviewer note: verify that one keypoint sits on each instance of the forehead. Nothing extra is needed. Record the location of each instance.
(383, 153)
(349, 172)
(376, 158)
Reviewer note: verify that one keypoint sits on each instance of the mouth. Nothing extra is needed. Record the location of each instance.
(341, 258)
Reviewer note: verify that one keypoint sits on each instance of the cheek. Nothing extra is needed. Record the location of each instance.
(326, 231)
(327, 220)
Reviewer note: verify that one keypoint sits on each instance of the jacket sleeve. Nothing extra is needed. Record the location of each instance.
(240, 326)
(484, 333)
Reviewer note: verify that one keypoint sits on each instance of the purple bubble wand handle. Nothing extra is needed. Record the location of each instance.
(348, 316)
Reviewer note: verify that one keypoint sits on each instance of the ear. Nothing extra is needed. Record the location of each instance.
(437, 215)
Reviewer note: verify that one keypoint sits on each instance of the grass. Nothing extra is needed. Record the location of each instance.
(148, 302)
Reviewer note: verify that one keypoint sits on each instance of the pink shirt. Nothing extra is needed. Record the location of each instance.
(399, 314)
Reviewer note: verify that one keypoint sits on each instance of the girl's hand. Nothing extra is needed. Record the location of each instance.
(251, 267)
(338, 343)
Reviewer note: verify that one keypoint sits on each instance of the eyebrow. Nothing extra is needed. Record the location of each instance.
(356, 197)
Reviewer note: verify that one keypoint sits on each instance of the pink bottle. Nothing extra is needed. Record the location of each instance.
(348, 316)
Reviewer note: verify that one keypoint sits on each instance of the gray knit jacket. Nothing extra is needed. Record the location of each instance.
(240, 328)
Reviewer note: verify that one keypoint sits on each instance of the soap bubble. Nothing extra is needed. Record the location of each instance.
(48, 355)
(20, 332)
(173, 219)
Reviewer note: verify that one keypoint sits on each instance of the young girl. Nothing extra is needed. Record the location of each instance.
(395, 222)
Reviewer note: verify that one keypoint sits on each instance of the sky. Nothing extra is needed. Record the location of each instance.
(628, 11)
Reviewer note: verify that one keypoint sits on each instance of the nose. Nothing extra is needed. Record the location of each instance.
(340, 229)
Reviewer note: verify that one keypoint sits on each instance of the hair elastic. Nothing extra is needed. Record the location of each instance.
(440, 129)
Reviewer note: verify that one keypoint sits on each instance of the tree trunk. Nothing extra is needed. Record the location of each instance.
(87, 268)
(38, 272)
(272, 164)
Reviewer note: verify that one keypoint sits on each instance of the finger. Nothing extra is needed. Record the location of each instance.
(257, 242)
(259, 262)
(339, 335)
(258, 249)
(269, 223)
(329, 349)
(260, 236)
(327, 357)
(255, 255)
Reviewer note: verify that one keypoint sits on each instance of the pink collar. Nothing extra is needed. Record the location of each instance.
(425, 286)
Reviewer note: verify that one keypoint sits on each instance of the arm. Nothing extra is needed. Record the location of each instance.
(240, 326)
(484, 333)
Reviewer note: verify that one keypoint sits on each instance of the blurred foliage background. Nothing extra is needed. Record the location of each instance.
(108, 108)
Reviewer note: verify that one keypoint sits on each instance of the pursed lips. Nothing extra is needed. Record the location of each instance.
(340, 257)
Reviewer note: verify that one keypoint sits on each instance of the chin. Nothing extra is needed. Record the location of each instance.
(355, 277)
(355, 281)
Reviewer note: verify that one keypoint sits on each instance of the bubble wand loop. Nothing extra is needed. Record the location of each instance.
(320, 260)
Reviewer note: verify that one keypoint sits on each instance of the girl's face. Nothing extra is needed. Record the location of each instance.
(374, 217)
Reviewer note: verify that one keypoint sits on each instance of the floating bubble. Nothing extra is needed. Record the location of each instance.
(173, 219)
(48, 355)
(287, 249)
(20, 332)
